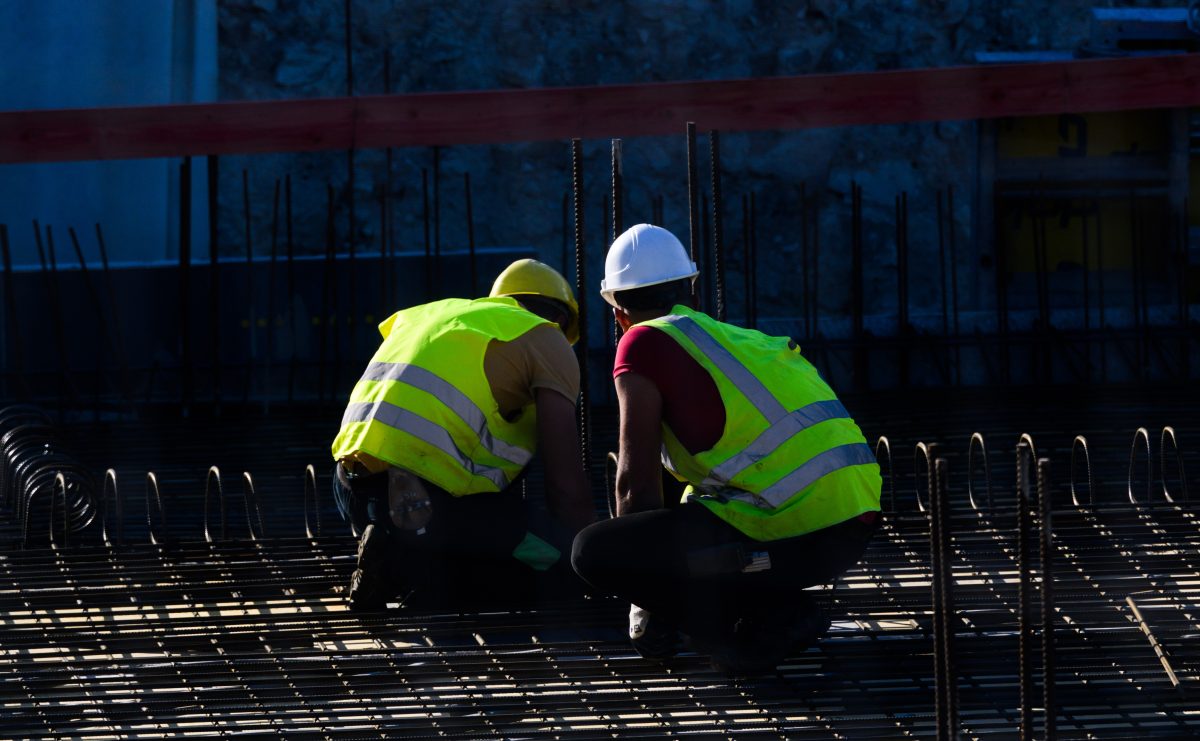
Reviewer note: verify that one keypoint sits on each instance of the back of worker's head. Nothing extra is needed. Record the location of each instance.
(647, 268)
(542, 290)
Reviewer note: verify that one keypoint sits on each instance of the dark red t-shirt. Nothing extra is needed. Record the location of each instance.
(692, 406)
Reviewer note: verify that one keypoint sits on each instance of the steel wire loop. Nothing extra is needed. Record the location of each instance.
(987, 473)
(250, 498)
(32, 457)
(310, 485)
(1169, 432)
(610, 483)
(1078, 444)
(110, 484)
(923, 451)
(214, 476)
(152, 488)
(1144, 435)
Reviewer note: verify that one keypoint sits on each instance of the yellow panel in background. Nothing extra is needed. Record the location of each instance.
(1085, 135)
(1108, 233)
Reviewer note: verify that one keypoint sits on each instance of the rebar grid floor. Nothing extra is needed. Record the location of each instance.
(252, 637)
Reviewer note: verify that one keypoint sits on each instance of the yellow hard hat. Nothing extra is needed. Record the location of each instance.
(531, 277)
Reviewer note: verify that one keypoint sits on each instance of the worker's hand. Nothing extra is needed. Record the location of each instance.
(567, 493)
(639, 467)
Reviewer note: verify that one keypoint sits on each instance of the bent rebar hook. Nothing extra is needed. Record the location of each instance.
(152, 487)
(1145, 436)
(1080, 443)
(310, 484)
(214, 474)
(987, 473)
(1162, 452)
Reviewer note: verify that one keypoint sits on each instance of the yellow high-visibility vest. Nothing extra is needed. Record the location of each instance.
(425, 405)
(790, 460)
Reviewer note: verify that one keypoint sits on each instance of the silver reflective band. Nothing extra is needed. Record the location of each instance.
(831, 460)
(458, 402)
(419, 427)
(774, 436)
(741, 377)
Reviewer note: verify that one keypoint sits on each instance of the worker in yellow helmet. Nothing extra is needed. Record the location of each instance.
(782, 489)
(440, 427)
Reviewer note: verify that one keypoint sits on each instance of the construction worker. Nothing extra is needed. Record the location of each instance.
(782, 489)
(438, 432)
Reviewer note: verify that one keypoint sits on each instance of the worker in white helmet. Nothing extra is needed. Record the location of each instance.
(438, 431)
(782, 489)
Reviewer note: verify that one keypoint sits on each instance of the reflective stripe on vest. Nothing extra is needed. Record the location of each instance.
(807, 474)
(419, 427)
(455, 400)
(777, 434)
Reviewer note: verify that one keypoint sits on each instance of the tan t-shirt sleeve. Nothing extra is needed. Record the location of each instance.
(540, 358)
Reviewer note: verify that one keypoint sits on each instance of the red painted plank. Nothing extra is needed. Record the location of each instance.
(780, 103)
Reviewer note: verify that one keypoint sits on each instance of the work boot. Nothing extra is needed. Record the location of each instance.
(652, 637)
(371, 585)
(757, 646)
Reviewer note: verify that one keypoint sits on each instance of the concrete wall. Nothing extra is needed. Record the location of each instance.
(72, 54)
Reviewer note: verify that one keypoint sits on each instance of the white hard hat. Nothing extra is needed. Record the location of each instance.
(644, 255)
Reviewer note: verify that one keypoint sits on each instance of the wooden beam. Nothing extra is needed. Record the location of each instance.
(601, 112)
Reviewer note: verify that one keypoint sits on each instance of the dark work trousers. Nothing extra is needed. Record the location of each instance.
(684, 565)
(464, 557)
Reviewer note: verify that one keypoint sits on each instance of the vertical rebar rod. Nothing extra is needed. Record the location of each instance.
(252, 326)
(1086, 249)
(470, 236)
(437, 220)
(753, 263)
(293, 333)
(714, 148)
(693, 186)
(384, 264)
(618, 192)
(816, 269)
(1182, 282)
(1024, 586)
(856, 286)
(618, 218)
(388, 237)
(946, 698)
(901, 285)
(14, 327)
(102, 323)
(1100, 323)
(327, 286)
(941, 243)
(938, 616)
(580, 289)
(566, 233)
(805, 315)
(50, 270)
(1045, 506)
(185, 262)
(1001, 293)
(954, 280)
(1042, 274)
(429, 293)
(1135, 281)
(214, 276)
(746, 256)
(706, 277)
(268, 386)
(351, 215)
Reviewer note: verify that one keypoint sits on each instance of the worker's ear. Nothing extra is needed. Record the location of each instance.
(622, 317)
